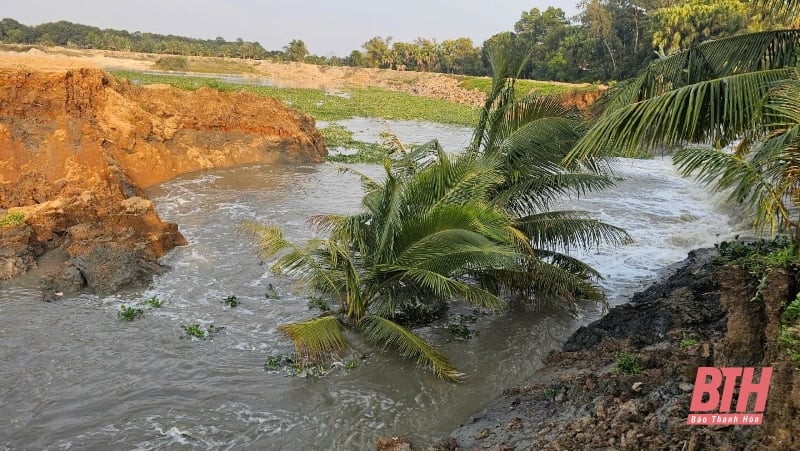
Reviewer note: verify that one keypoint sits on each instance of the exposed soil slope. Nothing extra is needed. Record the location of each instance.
(76, 147)
(579, 400)
(289, 74)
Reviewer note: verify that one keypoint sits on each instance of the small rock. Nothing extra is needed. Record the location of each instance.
(482, 434)
(637, 386)
(686, 387)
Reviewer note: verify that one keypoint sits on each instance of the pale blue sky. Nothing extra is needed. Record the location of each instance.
(326, 26)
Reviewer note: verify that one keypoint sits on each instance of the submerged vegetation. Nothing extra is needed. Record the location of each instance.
(231, 301)
(290, 366)
(129, 313)
(339, 137)
(200, 333)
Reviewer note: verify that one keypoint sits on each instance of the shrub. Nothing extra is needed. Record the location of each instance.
(12, 219)
(177, 63)
(628, 363)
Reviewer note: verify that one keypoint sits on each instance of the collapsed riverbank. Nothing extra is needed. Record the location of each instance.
(626, 380)
(78, 146)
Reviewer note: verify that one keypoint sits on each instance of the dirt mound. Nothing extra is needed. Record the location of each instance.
(77, 146)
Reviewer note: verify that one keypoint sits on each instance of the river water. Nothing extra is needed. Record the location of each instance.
(74, 377)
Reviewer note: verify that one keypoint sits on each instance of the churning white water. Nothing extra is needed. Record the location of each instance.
(74, 377)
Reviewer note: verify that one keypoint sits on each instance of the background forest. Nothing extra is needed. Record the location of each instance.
(607, 40)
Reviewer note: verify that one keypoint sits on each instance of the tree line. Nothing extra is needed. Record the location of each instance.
(606, 40)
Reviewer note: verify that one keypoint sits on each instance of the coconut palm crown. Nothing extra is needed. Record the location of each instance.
(477, 227)
(730, 108)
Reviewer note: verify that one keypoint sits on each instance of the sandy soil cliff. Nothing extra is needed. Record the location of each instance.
(77, 146)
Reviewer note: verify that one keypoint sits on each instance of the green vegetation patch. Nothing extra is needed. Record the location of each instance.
(460, 328)
(271, 293)
(523, 87)
(318, 303)
(231, 301)
(628, 363)
(154, 302)
(757, 257)
(688, 341)
(338, 136)
(129, 312)
(290, 365)
(789, 337)
(196, 331)
(359, 102)
(12, 219)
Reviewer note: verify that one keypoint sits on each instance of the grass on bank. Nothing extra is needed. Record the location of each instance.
(525, 86)
(324, 106)
(12, 219)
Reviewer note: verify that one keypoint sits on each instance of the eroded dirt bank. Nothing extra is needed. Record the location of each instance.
(77, 146)
(288, 74)
(702, 315)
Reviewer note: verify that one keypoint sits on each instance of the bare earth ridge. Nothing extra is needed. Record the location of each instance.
(77, 146)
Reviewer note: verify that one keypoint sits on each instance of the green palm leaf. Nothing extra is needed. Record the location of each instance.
(386, 333)
(716, 112)
(316, 340)
(563, 230)
(720, 58)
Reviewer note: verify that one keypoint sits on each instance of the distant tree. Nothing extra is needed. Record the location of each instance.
(460, 56)
(355, 59)
(379, 52)
(689, 23)
(296, 50)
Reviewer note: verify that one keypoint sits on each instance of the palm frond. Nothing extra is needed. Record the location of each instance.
(720, 58)
(316, 340)
(715, 112)
(313, 263)
(534, 194)
(564, 230)
(388, 334)
(749, 184)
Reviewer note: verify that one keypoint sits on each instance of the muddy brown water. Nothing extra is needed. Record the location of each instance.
(74, 377)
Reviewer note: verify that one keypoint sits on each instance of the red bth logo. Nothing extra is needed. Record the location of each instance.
(712, 397)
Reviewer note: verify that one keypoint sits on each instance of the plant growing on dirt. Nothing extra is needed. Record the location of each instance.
(688, 341)
(12, 219)
(627, 363)
(129, 313)
(789, 336)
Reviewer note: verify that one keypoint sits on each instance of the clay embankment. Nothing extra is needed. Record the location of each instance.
(77, 147)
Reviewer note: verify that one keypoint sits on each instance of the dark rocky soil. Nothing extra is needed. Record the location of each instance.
(700, 315)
